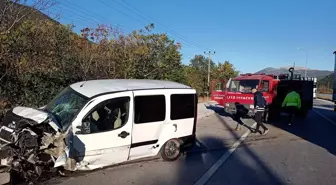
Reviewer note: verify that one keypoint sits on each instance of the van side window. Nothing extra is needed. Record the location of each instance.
(149, 109)
(182, 106)
(108, 115)
(265, 84)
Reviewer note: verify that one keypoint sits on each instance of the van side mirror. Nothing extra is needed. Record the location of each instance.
(84, 128)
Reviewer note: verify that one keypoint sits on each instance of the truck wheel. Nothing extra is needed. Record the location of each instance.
(171, 150)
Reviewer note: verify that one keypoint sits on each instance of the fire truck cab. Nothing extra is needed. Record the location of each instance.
(237, 93)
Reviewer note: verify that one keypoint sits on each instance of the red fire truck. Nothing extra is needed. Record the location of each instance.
(237, 92)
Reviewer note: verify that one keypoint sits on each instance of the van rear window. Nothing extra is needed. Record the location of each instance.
(149, 109)
(182, 106)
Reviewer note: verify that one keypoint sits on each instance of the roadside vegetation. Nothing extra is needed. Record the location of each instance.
(39, 56)
(325, 85)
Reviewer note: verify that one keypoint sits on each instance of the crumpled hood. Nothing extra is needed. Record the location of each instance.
(30, 113)
(36, 115)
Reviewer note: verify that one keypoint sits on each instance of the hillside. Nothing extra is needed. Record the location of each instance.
(300, 70)
(16, 10)
(327, 80)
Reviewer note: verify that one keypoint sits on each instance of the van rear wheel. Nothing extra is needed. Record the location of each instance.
(171, 150)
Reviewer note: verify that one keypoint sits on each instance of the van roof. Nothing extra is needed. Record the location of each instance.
(94, 87)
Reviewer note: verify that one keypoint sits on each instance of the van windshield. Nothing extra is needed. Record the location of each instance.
(65, 106)
(243, 86)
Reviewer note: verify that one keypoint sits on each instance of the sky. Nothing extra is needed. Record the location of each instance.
(251, 34)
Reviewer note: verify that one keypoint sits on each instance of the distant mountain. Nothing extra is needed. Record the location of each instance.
(319, 74)
(17, 9)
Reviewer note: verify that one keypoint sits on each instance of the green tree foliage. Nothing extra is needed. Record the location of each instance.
(224, 71)
(197, 72)
(39, 57)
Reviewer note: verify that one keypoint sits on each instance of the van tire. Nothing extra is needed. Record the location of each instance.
(171, 150)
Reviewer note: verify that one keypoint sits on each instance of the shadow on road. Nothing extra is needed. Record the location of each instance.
(189, 168)
(236, 169)
(237, 118)
(313, 128)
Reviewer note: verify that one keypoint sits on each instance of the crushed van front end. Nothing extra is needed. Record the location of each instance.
(30, 142)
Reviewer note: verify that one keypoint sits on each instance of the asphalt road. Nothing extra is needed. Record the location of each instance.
(301, 154)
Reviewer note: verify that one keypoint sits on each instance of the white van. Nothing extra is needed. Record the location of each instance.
(106, 122)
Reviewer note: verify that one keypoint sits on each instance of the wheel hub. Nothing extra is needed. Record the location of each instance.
(171, 149)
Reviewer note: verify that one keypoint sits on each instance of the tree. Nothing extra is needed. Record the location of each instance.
(197, 72)
(224, 71)
(195, 79)
(12, 12)
(39, 57)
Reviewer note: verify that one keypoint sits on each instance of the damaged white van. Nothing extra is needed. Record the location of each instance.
(93, 124)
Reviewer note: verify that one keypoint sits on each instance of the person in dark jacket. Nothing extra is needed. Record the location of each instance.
(259, 109)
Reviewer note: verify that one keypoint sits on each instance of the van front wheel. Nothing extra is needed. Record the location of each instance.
(171, 150)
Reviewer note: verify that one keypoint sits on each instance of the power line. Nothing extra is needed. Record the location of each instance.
(68, 3)
(121, 12)
(95, 18)
(75, 15)
(85, 16)
(132, 11)
(80, 13)
(181, 36)
(98, 16)
(148, 19)
(66, 15)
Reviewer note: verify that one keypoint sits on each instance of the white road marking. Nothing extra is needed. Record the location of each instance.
(325, 117)
(327, 101)
(324, 108)
(224, 157)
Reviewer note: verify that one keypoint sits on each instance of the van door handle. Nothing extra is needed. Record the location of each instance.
(175, 127)
(123, 134)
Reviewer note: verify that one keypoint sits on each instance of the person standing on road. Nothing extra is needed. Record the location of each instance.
(291, 104)
(259, 109)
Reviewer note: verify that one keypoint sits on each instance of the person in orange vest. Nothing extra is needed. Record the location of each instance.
(291, 104)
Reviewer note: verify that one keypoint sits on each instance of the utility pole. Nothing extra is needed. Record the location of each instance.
(306, 59)
(209, 53)
(306, 64)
